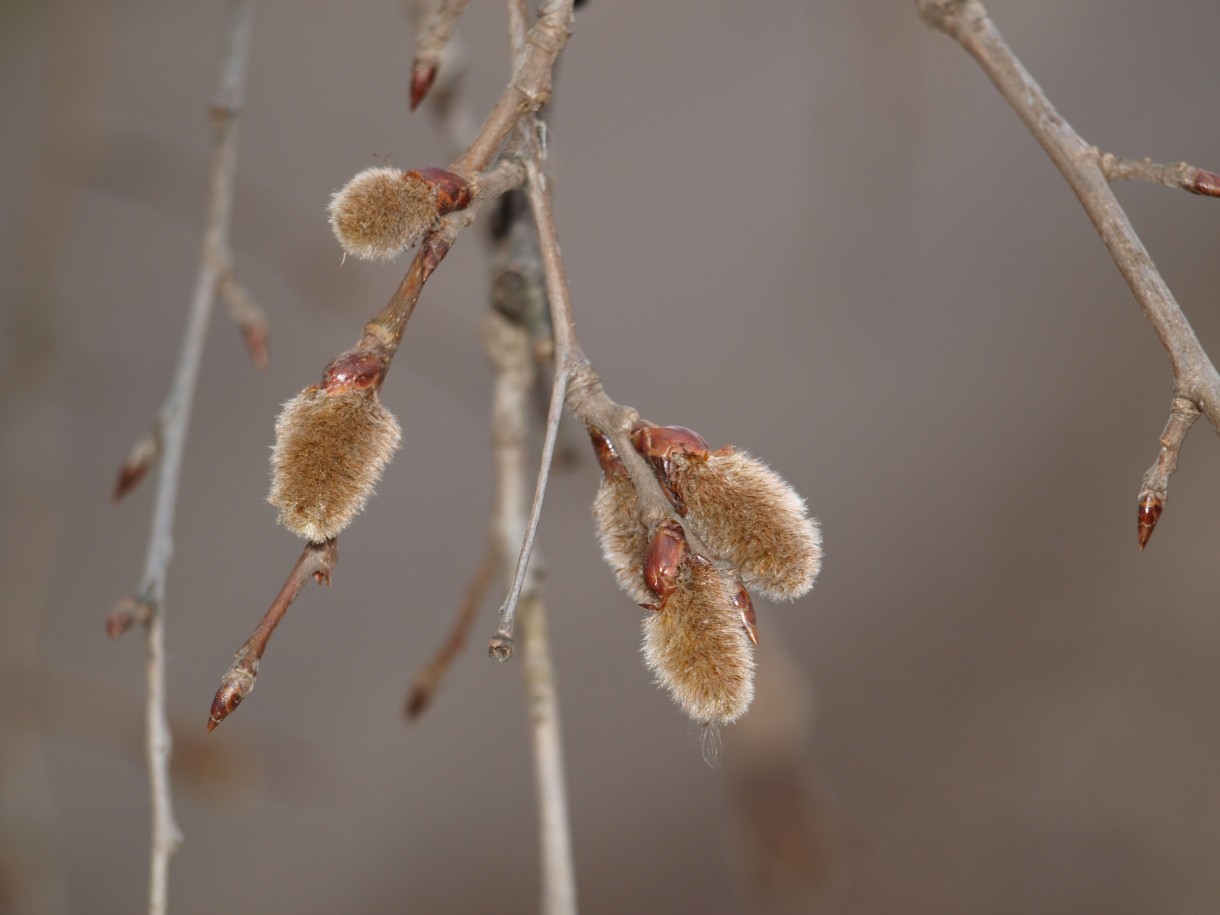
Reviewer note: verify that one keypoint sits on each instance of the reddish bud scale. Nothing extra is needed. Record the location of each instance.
(1205, 183)
(452, 190)
(659, 444)
(356, 370)
(663, 561)
(1151, 506)
(749, 619)
(621, 534)
(607, 458)
(422, 76)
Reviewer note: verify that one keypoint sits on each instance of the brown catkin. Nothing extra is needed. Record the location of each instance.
(330, 450)
(622, 535)
(698, 649)
(382, 212)
(747, 514)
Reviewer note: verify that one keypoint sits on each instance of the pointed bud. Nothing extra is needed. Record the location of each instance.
(698, 649)
(383, 211)
(1151, 506)
(1205, 183)
(146, 450)
(749, 619)
(747, 515)
(422, 76)
(616, 517)
(331, 445)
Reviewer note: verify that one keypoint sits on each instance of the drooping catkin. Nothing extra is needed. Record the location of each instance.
(748, 515)
(698, 649)
(616, 518)
(382, 212)
(330, 450)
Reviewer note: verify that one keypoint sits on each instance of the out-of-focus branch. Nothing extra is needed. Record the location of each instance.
(430, 45)
(214, 266)
(1089, 171)
(217, 274)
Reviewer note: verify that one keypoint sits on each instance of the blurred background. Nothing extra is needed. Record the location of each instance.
(812, 230)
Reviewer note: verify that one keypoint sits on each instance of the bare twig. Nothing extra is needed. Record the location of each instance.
(1179, 175)
(1088, 171)
(316, 561)
(508, 349)
(171, 428)
(1182, 415)
(426, 682)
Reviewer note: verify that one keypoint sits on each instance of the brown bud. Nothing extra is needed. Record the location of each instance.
(452, 190)
(330, 450)
(663, 561)
(749, 619)
(1205, 183)
(698, 649)
(616, 517)
(659, 444)
(1151, 506)
(747, 515)
(422, 75)
(234, 687)
(146, 449)
(382, 212)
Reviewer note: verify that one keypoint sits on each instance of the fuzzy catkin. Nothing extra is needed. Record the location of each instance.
(747, 514)
(330, 450)
(382, 212)
(698, 649)
(622, 535)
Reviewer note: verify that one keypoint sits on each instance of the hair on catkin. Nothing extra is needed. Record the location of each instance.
(748, 515)
(698, 649)
(330, 450)
(621, 534)
(382, 212)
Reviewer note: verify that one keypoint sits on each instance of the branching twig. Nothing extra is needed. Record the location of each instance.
(316, 561)
(1089, 171)
(171, 431)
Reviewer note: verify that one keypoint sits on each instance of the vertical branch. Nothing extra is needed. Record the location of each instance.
(173, 422)
(510, 352)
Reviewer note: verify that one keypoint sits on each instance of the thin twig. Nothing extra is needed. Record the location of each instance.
(1154, 492)
(316, 561)
(1179, 175)
(1089, 171)
(172, 426)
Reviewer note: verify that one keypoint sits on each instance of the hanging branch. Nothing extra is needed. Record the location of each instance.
(169, 438)
(1088, 171)
(365, 366)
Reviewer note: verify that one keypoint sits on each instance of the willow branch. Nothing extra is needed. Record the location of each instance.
(217, 274)
(508, 349)
(171, 429)
(316, 561)
(1088, 171)
(578, 386)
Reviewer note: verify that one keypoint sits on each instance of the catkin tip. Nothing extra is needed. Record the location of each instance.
(748, 515)
(329, 453)
(698, 649)
(382, 212)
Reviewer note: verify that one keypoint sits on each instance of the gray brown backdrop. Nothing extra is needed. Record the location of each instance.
(811, 229)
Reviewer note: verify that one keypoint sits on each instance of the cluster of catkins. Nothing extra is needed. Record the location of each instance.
(756, 534)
